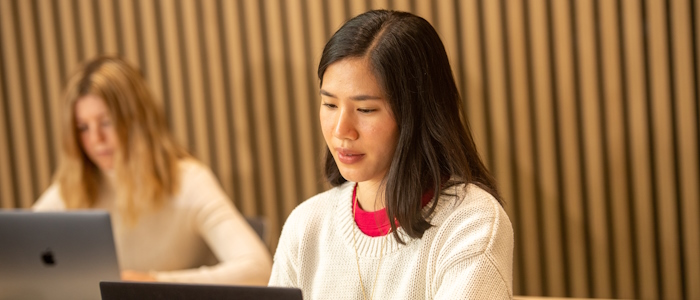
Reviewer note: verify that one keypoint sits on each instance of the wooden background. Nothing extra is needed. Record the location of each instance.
(586, 111)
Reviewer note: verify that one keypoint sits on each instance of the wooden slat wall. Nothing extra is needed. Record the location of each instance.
(586, 111)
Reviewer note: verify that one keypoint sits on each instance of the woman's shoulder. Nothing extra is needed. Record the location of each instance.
(324, 201)
(50, 200)
(319, 207)
(190, 167)
(196, 174)
(198, 184)
(473, 197)
(469, 199)
(472, 217)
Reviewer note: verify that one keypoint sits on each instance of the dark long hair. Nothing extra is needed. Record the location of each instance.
(435, 147)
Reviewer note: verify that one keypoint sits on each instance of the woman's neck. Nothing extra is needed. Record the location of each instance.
(368, 196)
(109, 179)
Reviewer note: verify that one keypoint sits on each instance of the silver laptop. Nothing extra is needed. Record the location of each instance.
(55, 255)
(182, 291)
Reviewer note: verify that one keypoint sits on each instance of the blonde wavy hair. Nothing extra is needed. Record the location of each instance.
(146, 162)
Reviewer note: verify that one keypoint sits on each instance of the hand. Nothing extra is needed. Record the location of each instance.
(129, 275)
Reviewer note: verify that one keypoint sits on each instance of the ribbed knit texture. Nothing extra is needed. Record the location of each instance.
(466, 255)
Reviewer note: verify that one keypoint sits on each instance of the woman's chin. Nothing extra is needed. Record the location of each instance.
(351, 176)
(105, 166)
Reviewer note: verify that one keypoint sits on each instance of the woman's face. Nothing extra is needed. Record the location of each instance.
(96, 131)
(357, 122)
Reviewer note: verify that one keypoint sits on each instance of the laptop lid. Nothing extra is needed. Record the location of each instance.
(55, 255)
(180, 291)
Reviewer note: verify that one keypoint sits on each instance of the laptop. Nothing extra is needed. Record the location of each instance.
(180, 291)
(55, 255)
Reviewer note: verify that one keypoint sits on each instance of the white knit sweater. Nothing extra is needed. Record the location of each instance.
(176, 242)
(466, 255)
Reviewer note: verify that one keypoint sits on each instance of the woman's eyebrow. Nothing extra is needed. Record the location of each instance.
(360, 97)
(327, 94)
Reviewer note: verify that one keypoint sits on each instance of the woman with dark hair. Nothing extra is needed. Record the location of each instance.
(414, 213)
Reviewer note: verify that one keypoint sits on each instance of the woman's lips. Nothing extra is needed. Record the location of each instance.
(104, 153)
(349, 157)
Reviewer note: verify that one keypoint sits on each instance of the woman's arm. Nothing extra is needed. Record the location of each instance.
(243, 258)
(285, 267)
(474, 278)
(476, 253)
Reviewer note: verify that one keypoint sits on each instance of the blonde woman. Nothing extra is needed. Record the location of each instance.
(169, 213)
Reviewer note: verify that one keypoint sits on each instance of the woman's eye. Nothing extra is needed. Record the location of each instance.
(82, 128)
(365, 110)
(329, 105)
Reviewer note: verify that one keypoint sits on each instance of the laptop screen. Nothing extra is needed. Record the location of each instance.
(179, 291)
(55, 255)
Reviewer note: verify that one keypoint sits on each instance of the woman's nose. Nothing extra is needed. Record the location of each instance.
(345, 126)
(96, 134)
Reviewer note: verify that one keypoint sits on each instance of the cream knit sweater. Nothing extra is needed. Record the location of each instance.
(466, 255)
(176, 242)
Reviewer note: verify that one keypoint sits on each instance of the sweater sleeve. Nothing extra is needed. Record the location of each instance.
(50, 200)
(243, 258)
(286, 267)
(475, 260)
(474, 278)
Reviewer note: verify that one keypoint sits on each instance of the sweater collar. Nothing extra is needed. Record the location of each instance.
(376, 223)
(368, 246)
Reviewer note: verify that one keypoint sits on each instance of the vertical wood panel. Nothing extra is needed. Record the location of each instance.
(301, 106)
(357, 7)
(215, 85)
(497, 116)
(194, 79)
(86, 27)
(129, 37)
(473, 82)
(549, 190)
(7, 191)
(68, 38)
(404, 5)
(569, 147)
(263, 130)
(616, 150)
(336, 15)
(380, 4)
(662, 147)
(18, 141)
(524, 205)
(281, 104)
(174, 71)
(696, 48)
(317, 39)
(639, 145)
(245, 183)
(448, 33)
(107, 24)
(43, 80)
(594, 175)
(36, 137)
(687, 143)
(425, 10)
(51, 72)
(154, 77)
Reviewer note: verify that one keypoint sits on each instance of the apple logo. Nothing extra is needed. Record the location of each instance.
(47, 258)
